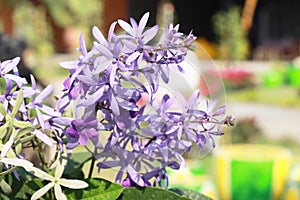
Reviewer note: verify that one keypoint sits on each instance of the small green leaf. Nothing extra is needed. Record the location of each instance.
(99, 189)
(190, 194)
(4, 197)
(150, 193)
(18, 146)
(2, 110)
(27, 138)
(24, 131)
(18, 103)
(5, 187)
(3, 130)
(2, 86)
(22, 124)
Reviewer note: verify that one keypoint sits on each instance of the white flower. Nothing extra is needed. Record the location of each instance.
(55, 181)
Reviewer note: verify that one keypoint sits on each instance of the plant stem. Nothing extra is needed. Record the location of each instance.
(9, 171)
(92, 167)
(40, 155)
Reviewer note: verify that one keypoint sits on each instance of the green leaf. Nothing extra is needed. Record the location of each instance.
(22, 124)
(18, 103)
(73, 170)
(148, 193)
(4, 197)
(27, 138)
(5, 187)
(18, 146)
(99, 189)
(28, 188)
(190, 194)
(3, 130)
(2, 110)
(24, 131)
(2, 86)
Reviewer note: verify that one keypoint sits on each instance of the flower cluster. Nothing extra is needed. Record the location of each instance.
(114, 86)
(118, 114)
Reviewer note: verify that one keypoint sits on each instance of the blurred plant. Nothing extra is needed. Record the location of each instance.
(72, 12)
(49, 33)
(236, 78)
(117, 118)
(246, 130)
(233, 42)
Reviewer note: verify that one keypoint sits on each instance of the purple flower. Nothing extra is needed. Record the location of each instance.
(43, 112)
(81, 131)
(11, 65)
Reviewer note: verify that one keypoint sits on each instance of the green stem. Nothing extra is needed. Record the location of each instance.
(92, 167)
(9, 171)
(39, 151)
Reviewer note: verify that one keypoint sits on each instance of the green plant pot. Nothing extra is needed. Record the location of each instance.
(273, 79)
(294, 77)
(248, 171)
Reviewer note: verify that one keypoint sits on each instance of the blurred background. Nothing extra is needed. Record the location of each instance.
(255, 44)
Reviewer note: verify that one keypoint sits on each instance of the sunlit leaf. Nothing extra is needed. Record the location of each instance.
(3, 130)
(2, 110)
(2, 86)
(98, 189)
(18, 146)
(190, 194)
(24, 131)
(5, 187)
(27, 138)
(18, 103)
(22, 124)
(150, 193)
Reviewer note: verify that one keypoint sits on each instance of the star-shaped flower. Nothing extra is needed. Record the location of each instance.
(55, 181)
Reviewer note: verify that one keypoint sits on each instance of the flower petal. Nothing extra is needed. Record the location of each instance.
(46, 92)
(17, 162)
(60, 166)
(40, 118)
(69, 64)
(65, 121)
(15, 78)
(82, 48)
(104, 51)
(73, 183)
(126, 26)
(7, 146)
(111, 31)
(43, 137)
(42, 191)
(94, 97)
(39, 173)
(143, 21)
(59, 195)
(99, 36)
(10, 64)
(132, 57)
(150, 34)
